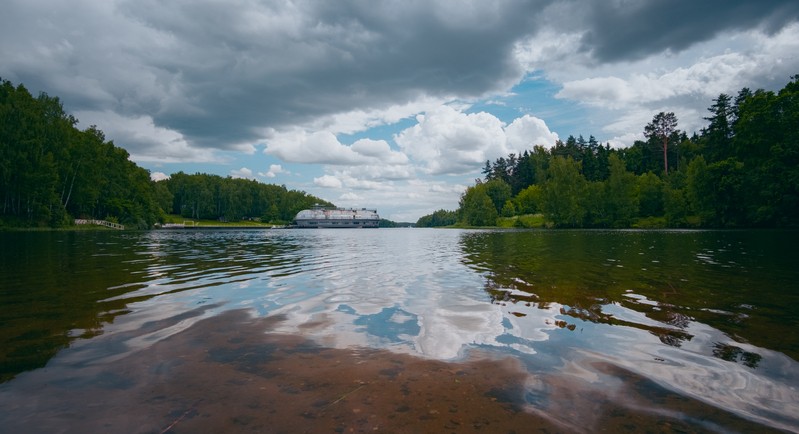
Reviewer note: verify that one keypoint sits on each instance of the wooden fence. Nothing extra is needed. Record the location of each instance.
(99, 223)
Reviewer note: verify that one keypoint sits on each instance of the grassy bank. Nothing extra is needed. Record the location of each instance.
(176, 219)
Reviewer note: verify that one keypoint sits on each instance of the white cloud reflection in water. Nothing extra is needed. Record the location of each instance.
(424, 292)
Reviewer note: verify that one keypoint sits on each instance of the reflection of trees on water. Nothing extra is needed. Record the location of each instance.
(63, 286)
(731, 353)
(594, 314)
(674, 337)
(653, 274)
(58, 287)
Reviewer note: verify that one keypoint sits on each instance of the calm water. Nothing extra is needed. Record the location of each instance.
(399, 330)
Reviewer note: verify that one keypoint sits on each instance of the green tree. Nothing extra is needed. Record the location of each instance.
(718, 134)
(650, 195)
(438, 218)
(499, 192)
(767, 142)
(563, 193)
(675, 206)
(727, 178)
(663, 125)
(699, 190)
(476, 208)
(527, 201)
(620, 199)
(509, 209)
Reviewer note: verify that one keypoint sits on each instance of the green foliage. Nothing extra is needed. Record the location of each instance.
(727, 178)
(211, 197)
(499, 192)
(564, 192)
(718, 135)
(385, 223)
(476, 207)
(51, 173)
(650, 223)
(438, 219)
(661, 128)
(650, 195)
(620, 201)
(675, 207)
(530, 221)
(699, 190)
(522, 221)
(528, 200)
(743, 170)
(509, 209)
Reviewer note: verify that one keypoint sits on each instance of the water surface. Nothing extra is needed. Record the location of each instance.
(400, 329)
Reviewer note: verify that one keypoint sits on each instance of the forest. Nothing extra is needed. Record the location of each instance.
(741, 170)
(51, 173)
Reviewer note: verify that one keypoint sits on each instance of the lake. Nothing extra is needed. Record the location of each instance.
(399, 330)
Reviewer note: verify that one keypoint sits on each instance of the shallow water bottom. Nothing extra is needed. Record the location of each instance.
(229, 373)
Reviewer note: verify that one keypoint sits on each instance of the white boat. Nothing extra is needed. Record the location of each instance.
(319, 217)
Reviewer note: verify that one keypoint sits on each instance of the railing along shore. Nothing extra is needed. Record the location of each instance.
(99, 223)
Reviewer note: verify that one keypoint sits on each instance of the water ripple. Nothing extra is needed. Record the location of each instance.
(702, 314)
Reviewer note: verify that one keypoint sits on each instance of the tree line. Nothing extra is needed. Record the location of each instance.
(51, 172)
(741, 170)
(212, 197)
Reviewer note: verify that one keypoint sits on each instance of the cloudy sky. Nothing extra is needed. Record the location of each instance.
(394, 105)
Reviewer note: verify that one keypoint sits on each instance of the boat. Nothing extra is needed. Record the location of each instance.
(320, 217)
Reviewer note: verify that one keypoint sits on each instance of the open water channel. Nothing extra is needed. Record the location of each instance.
(399, 330)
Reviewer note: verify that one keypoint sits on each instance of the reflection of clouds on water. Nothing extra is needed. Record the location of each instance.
(438, 325)
(526, 326)
(733, 387)
(446, 330)
(703, 363)
(391, 324)
(418, 294)
(425, 301)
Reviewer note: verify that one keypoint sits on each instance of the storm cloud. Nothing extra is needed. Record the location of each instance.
(223, 74)
(631, 30)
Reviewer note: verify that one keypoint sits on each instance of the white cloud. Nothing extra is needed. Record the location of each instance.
(379, 150)
(528, 131)
(446, 188)
(357, 120)
(327, 181)
(349, 197)
(322, 147)
(625, 140)
(551, 50)
(630, 94)
(145, 141)
(382, 172)
(243, 173)
(274, 170)
(158, 176)
(300, 146)
(448, 141)
(706, 78)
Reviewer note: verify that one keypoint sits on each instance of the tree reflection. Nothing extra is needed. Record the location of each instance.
(651, 278)
(731, 353)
